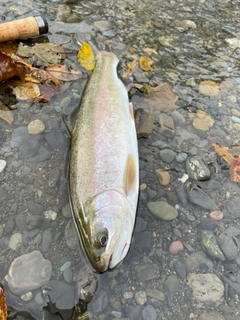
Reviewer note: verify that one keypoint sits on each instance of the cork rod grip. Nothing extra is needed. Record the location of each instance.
(18, 29)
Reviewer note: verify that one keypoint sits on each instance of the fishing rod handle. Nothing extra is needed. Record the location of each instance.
(23, 28)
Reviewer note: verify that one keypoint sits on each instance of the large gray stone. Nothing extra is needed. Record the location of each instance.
(28, 272)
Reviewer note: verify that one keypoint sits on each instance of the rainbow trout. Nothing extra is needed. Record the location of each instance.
(104, 174)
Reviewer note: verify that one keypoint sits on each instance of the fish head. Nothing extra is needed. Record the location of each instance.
(109, 229)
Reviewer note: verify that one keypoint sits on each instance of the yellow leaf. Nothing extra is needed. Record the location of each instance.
(31, 80)
(145, 63)
(86, 56)
(5, 114)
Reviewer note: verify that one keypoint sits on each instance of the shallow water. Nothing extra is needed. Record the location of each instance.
(191, 41)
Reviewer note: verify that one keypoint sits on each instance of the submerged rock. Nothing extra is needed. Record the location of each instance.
(197, 196)
(206, 286)
(197, 169)
(210, 245)
(28, 272)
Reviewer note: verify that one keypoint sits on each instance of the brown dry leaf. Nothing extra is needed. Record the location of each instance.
(47, 92)
(5, 113)
(86, 56)
(235, 170)
(41, 54)
(223, 152)
(3, 305)
(25, 90)
(26, 72)
(150, 50)
(7, 67)
(62, 72)
(145, 63)
(164, 98)
(143, 122)
(8, 47)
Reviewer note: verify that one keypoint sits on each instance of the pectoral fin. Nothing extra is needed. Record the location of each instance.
(129, 175)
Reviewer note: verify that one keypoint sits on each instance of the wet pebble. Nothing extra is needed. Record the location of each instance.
(55, 289)
(208, 224)
(181, 157)
(167, 155)
(100, 302)
(177, 232)
(210, 245)
(197, 196)
(15, 241)
(234, 231)
(197, 169)
(216, 215)
(140, 297)
(233, 206)
(34, 221)
(3, 164)
(56, 140)
(35, 208)
(172, 284)
(142, 241)
(149, 313)
(166, 125)
(36, 127)
(68, 275)
(66, 211)
(31, 147)
(10, 225)
(46, 240)
(128, 295)
(163, 177)
(71, 236)
(115, 303)
(65, 102)
(133, 312)
(181, 269)
(140, 225)
(19, 136)
(21, 222)
(53, 177)
(22, 278)
(175, 247)
(196, 258)
(148, 271)
(162, 210)
(229, 245)
(43, 155)
(155, 294)
(151, 193)
(205, 286)
(211, 315)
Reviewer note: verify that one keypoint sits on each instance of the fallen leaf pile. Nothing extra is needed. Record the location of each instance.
(234, 162)
(38, 67)
(3, 305)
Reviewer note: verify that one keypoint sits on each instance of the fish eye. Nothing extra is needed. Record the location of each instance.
(102, 239)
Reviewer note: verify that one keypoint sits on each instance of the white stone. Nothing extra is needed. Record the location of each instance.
(27, 296)
(15, 241)
(52, 215)
(3, 164)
